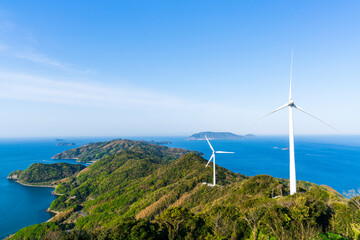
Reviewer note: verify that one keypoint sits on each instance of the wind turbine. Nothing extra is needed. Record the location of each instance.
(290, 104)
(213, 157)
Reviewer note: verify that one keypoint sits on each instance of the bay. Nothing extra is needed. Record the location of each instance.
(21, 206)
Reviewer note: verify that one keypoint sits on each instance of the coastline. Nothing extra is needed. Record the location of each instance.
(29, 185)
(61, 158)
(52, 212)
(42, 186)
(56, 194)
(76, 159)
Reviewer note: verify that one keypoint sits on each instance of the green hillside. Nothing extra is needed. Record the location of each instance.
(45, 174)
(141, 195)
(94, 151)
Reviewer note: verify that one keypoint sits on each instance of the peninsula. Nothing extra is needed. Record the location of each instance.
(45, 175)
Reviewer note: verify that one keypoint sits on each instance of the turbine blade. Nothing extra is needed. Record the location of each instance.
(304, 111)
(209, 144)
(291, 69)
(223, 152)
(210, 159)
(283, 106)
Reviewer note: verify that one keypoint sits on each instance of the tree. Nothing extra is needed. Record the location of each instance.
(181, 223)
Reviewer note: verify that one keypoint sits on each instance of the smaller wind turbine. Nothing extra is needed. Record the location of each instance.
(213, 158)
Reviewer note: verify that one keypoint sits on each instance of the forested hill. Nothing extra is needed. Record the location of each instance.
(39, 174)
(137, 195)
(95, 151)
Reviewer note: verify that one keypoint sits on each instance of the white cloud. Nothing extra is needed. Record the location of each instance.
(97, 108)
(33, 56)
(39, 58)
(39, 89)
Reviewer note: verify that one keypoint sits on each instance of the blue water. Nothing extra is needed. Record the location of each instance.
(330, 160)
(21, 206)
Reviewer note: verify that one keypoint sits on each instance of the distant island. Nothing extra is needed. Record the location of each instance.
(217, 136)
(250, 136)
(65, 144)
(59, 139)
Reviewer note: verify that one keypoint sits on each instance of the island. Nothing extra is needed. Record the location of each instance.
(250, 136)
(143, 191)
(65, 144)
(158, 142)
(217, 136)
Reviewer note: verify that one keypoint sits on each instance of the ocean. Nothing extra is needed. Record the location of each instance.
(330, 160)
(21, 206)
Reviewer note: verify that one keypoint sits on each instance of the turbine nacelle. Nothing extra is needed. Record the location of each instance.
(291, 103)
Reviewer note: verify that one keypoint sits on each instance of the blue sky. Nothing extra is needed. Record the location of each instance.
(146, 68)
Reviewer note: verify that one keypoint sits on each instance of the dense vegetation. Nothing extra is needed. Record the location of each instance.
(140, 195)
(45, 174)
(95, 151)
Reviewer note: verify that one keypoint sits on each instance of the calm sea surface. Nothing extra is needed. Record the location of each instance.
(21, 206)
(330, 160)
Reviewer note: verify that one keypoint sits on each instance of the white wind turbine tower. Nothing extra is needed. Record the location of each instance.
(290, 104)
(213, 157)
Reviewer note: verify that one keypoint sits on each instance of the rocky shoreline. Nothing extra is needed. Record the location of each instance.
(14, 178)
(32, 185)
